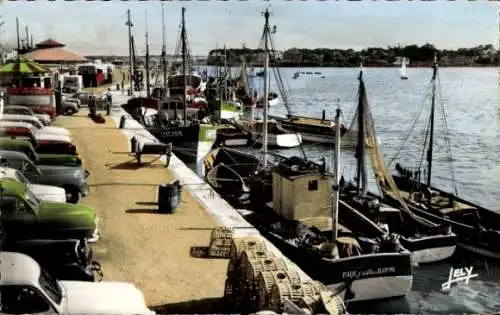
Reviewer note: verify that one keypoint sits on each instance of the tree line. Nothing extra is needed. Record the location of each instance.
(418, 56)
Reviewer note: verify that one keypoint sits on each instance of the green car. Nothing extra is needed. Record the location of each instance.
(24, 216)
(27, 148)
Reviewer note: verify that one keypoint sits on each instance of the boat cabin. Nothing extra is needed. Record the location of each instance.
(302, 191)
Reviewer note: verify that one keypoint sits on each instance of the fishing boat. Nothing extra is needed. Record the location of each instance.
(477, 228)
(273, 100)
(402, 71)
(227, 171)
(427, 241)
(191, 139)
(276, 138)
(314, 130)
(301, 220)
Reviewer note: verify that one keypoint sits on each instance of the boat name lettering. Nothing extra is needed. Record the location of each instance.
(369, 272)
(171, 133)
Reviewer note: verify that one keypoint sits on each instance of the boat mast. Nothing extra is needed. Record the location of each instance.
(431, 131)
(336, 188)
(148, 91)
(18, 53)
(225, 74)
(361, 179)
(266, 87)
(164, 57)
(131, 65)
(183, 38)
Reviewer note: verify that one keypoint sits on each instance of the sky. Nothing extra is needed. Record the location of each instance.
(98, 27)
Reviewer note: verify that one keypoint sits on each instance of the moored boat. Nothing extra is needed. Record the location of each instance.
(428, 241)
(315, 130)
(476, 227)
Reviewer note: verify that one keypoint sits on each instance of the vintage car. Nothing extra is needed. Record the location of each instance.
(24, 216)
(26, 110)
(8, 119)
(53, 154)
(42, 192)
(73, 179)
(26, 288)
(69, 259)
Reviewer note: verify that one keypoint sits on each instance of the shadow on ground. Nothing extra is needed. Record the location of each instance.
(143, 210)
(203, 306)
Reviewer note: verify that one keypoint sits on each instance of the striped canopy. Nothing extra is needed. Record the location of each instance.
(22, 66)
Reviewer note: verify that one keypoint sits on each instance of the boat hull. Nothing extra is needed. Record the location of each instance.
(371, 277)
(284, 140)
(469, 235)
(191, 143)
(430, 249)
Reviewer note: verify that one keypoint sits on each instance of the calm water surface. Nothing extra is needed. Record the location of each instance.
(471, 99)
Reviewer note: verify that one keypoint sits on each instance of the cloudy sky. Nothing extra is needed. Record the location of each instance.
(98, 27)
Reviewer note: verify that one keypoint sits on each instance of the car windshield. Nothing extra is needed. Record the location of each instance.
(32, 199)
(51, 287)
(21, 178)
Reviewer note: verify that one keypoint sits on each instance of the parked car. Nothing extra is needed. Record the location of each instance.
(7, 120)
(20, 145)
(42, 192)
(25, 130)
(69, 259)
(37, 147)
(26, 110)
(26, 288)
(24, 216)
(69, 108)
(73, 179)
(69, 98)
(83, 97)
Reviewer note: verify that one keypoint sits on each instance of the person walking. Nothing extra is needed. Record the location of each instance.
(109, 101)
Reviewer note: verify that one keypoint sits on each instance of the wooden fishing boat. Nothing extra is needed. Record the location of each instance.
(227, 171)
(276, 137)
(296, 221)
(477, 228)
(428, 241)
(315, 130)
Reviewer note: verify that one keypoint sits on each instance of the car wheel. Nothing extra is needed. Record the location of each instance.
(69, 111)
(72, 194)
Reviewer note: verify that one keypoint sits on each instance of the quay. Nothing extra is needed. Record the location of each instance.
(138, 244)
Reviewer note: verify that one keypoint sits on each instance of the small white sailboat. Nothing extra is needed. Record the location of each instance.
(403, 74)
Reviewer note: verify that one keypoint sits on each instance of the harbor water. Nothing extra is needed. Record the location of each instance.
(471, 101)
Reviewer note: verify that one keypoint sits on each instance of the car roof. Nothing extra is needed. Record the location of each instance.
(13, 154)
(12, 187)
(18, 107)
(18, 269)
(15, 123)
(7, 172)
(18, 116)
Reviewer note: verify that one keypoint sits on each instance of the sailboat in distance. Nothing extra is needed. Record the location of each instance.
(402, 72)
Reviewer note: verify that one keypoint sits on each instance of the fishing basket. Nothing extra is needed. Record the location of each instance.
(265, 281)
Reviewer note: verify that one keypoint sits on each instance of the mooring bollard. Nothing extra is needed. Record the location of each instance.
(122, 122)
(133, 145)
(169, 196)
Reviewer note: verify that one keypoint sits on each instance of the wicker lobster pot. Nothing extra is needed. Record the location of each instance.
(249, 273)
(239, 245)
(293, 292)
(265, 281)
(221, 239)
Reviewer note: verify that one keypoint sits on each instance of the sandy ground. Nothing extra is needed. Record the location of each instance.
(138, 245)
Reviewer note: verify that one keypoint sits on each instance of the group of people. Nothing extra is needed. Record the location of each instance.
(93, 103)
